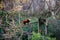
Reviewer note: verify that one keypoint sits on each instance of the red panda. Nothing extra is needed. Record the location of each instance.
(26, 21)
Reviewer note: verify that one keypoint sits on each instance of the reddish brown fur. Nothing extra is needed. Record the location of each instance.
(26, 21)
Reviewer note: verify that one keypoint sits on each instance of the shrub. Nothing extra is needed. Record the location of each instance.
(38, 36)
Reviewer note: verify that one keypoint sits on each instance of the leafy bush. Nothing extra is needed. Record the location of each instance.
(54, 27)
(38, 36)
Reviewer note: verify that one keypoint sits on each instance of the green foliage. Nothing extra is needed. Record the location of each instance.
(53, 25)
(49, 38)
(38, 36)
(2, 13)
(34, 27)
(35, 36)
